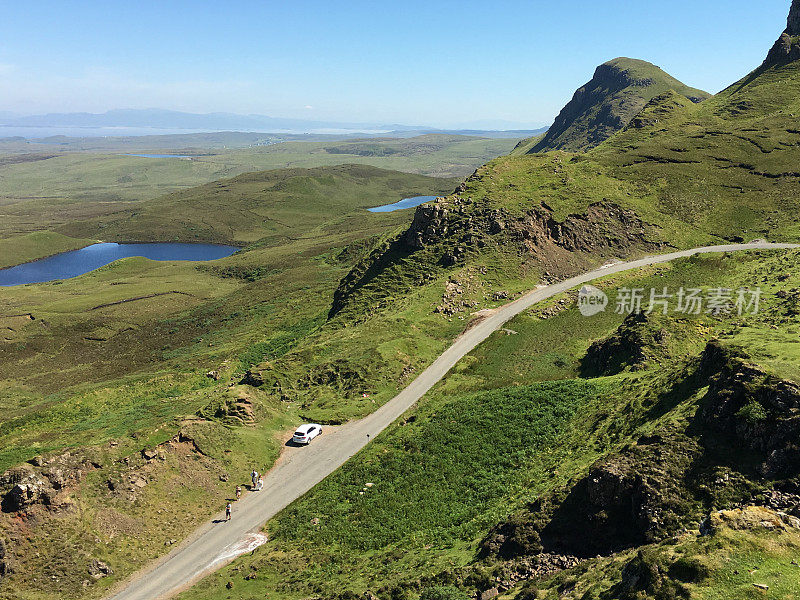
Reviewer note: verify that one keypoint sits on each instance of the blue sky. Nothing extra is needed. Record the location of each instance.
(436, 62)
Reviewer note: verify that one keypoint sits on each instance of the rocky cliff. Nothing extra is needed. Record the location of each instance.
(616, 93)
(787, 47)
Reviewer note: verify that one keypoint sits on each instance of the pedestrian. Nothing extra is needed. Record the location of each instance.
(254, 477)
(238, 492)
(228, 509)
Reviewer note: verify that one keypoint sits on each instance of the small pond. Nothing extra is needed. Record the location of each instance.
(404, 203)
(160, 155)
(77, 262)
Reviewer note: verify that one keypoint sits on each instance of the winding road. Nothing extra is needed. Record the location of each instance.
(217, 543)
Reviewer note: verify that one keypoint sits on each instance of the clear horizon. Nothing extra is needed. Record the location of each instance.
(438, 64)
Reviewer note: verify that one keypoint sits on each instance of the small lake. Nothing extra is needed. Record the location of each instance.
(404, 203)
(160, 155)
(77, 262)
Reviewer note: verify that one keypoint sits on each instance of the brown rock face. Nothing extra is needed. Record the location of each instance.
(42, 482)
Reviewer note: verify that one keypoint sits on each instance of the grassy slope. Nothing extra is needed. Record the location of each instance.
(270, 207)
(99, 326)
(489, 439)
(696, 174)
(723, 167)
(721, 170)
(52, 189)
(24, 248)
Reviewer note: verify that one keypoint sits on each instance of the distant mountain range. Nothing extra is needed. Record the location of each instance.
(218, 121)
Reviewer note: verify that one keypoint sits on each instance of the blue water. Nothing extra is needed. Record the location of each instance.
(404, 203)
(77, 262)
(160, 155)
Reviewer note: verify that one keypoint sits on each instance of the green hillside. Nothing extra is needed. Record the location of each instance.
(554, 476)
(604, 458)
(613, 457)
(269, 207)
(616, 93)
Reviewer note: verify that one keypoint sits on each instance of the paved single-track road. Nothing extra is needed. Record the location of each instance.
(217, 543)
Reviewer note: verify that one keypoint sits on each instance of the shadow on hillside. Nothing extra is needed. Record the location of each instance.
(362, 276)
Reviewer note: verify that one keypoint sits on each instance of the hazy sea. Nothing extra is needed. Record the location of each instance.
(44, 132)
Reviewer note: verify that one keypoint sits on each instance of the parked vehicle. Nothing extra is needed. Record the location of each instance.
(306, 433)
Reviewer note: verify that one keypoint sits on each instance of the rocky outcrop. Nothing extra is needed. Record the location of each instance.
(616, 93)
(759, 410)
(453, 229)
(751, 518)
(234, 407)
(633, 498)
(787, 47)
(26, 489)
(604, 226)
(43, 481)
(98, 569)
(636, 341)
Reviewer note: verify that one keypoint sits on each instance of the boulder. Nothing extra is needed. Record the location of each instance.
(28, 491)
(489, 594)
(98, 569)
(752, 518)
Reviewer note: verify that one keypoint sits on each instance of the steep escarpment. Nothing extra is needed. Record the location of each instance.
(616, 93)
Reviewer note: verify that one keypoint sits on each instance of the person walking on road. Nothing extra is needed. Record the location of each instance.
(238, 492)
(228, 509)
(254, 478)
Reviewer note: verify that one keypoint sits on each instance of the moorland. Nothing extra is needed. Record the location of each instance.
(619, 456)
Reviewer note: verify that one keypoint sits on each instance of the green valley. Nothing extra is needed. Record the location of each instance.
(47, 190)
